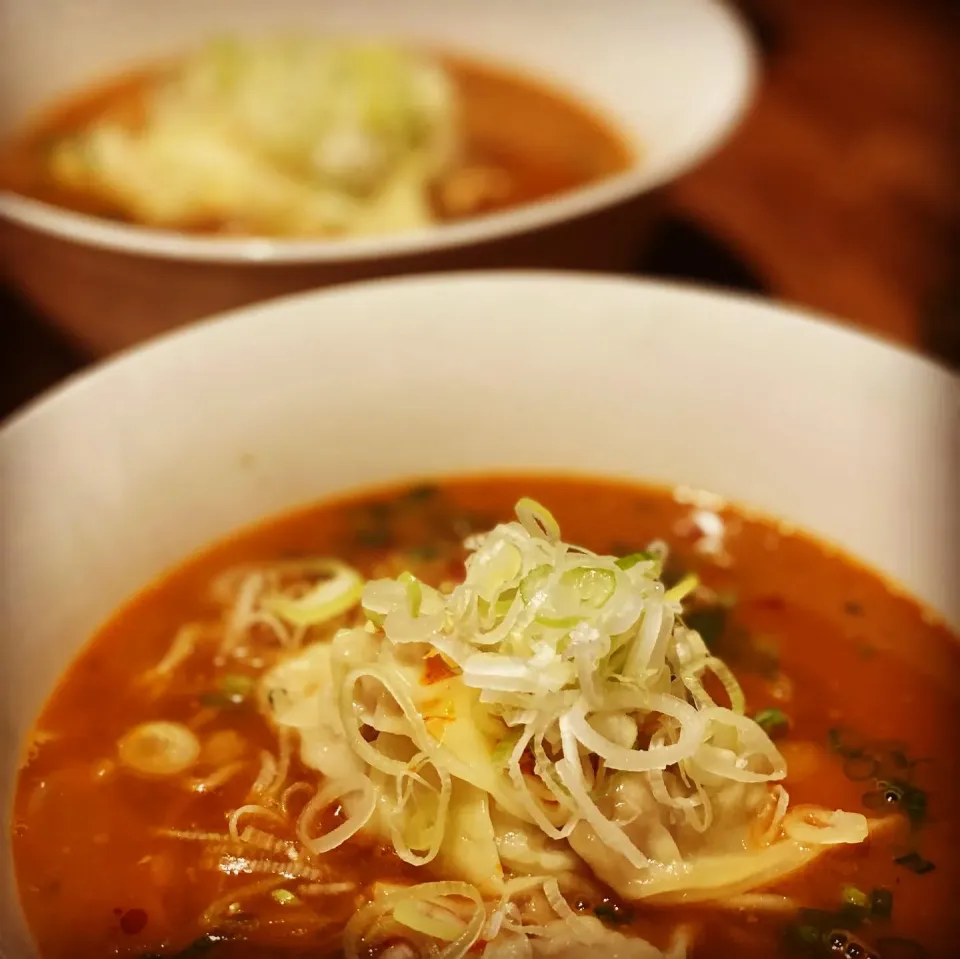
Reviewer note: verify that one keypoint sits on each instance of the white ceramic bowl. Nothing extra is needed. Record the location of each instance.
(674, 75)
(114, 477)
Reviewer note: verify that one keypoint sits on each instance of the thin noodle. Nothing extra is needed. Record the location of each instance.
(326, 888)
(291, 791)
(283, 766)
(251, 809)
(215, 780)
(240, 614)
(266, 776)
(213, 914)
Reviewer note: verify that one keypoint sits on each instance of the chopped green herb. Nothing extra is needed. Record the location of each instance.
(709, 621)
(199, 947)
(414, 592)
(848, 916)
(285, 897)
(846, 743)
(773, 721)
(618, 915)
(894, 789)
(631, 560)
(424, 553)
(888, 763)
(914, 804)
(851, 915)
(877, 800)
(234, 690)
(881, 903)
(216, 701)
(818, 918)
(810, 934)
(915, 863)
(422, 491)
(375, 537)
(503, 750)
(895, 793)
(855, 897)
(237, 686)
(379, 511)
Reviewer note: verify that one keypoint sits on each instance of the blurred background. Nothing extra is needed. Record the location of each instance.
(839, 190)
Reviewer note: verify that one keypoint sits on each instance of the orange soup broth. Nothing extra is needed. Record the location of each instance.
(810, 633)
(545, 142)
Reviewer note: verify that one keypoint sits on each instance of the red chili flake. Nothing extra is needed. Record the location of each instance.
(133, 921)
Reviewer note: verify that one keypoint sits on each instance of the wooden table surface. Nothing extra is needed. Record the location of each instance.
(839, 191)
(841, 186)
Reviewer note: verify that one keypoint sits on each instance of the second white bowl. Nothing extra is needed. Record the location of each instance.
(673, 75)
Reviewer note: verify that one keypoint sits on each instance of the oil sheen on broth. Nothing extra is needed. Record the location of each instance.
(468, 140)
(117, 853)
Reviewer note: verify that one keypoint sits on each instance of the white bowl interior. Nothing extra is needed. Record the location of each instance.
(128, 469)
(674, 76)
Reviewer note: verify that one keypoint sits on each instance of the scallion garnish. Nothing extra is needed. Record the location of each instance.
(773, 721)
(628, 562)
(709, 621)
(914, 804)
(237, 686)
(845, 743)
(284, 897)
(422, 491)
(198, 947)
(424, 553)
(881, 903)
(234, 689)
(897, 794)
(375, 537)
(810, 934)
(613, 913)
(856, 897)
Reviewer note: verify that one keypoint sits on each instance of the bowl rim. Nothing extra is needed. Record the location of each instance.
(526, 218)
(820, 323)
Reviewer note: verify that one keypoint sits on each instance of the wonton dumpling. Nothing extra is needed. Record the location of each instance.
(730, 857)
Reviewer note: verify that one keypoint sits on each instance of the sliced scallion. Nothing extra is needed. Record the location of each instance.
(853, 896)
(414, 592)
(772, 721)
(237, 687)
(881, 903)
(284, 897)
